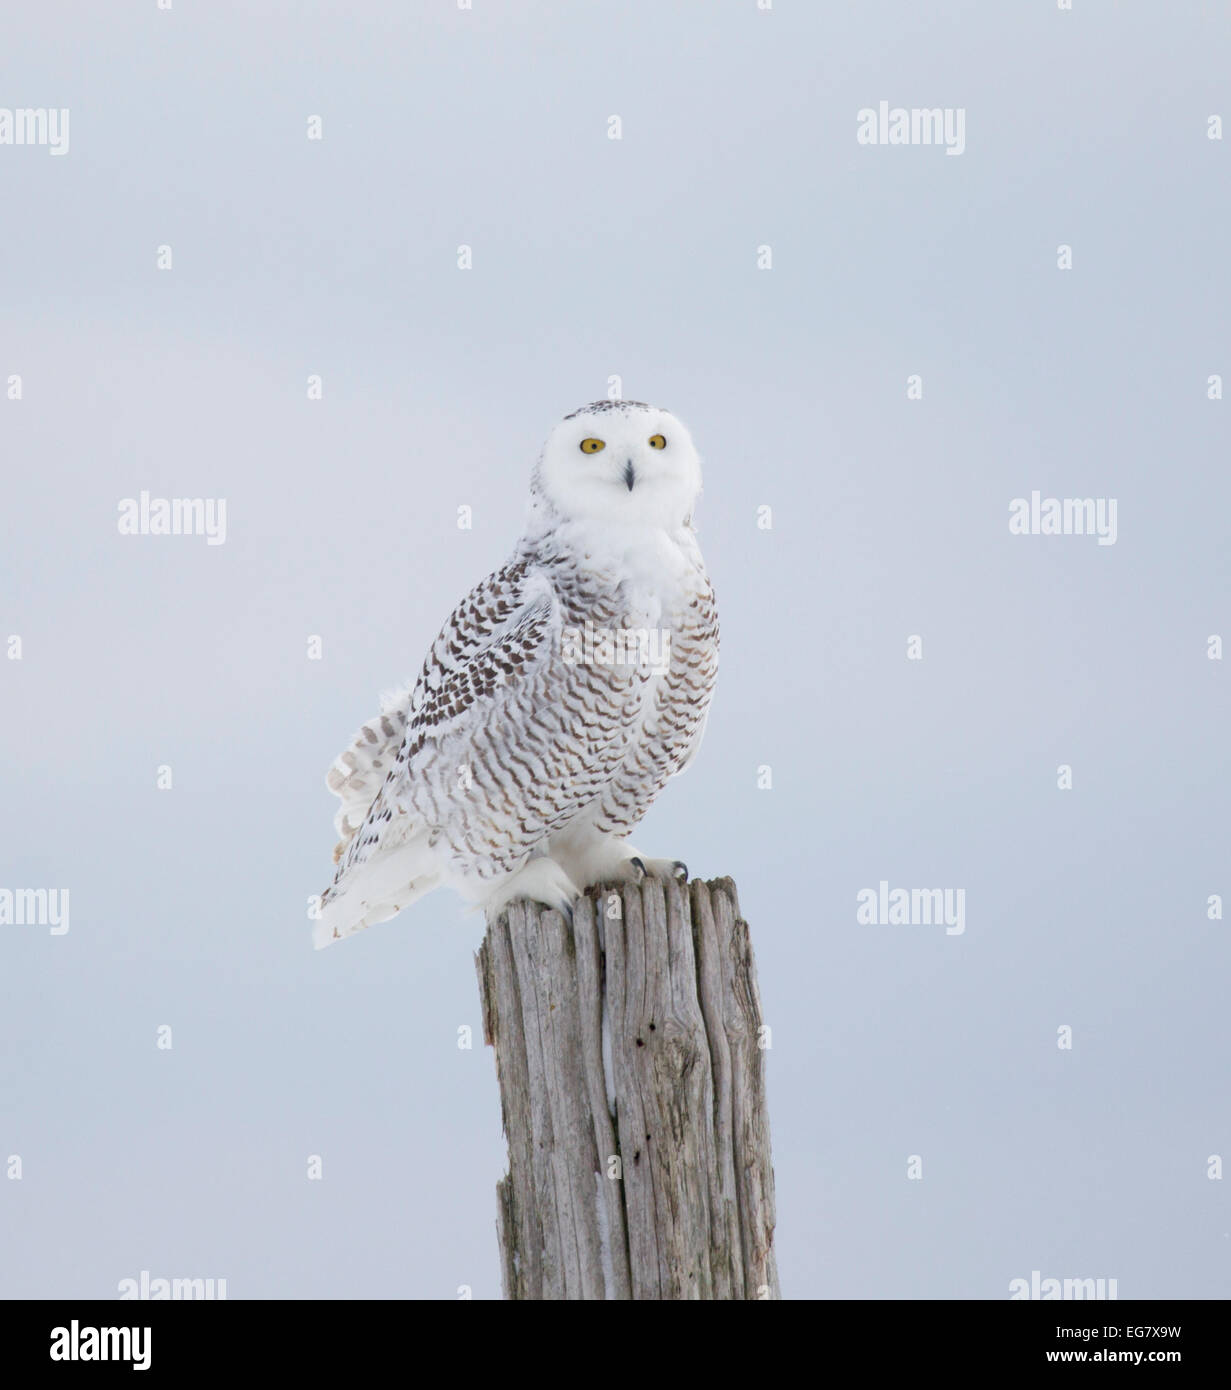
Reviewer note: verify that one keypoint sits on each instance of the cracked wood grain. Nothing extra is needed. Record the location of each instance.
(670, 1194)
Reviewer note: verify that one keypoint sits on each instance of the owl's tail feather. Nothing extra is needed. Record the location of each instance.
(377, 891)
(358, 774)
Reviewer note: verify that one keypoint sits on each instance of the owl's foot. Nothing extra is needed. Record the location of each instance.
(595, 859)
(636, 867)
(543, 881)
(665, 869)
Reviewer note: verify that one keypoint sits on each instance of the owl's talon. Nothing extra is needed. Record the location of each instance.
(662, 869)
(540, 880)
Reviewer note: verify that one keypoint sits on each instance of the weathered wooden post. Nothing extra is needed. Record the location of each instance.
(632, 1083)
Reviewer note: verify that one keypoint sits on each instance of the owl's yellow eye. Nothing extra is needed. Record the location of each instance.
(592, 446)
(657, 442)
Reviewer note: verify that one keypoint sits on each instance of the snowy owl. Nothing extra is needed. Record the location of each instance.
(560, 696)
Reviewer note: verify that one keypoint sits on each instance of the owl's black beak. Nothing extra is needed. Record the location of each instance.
(629, 476)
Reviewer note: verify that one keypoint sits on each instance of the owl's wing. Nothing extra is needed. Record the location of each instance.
(497, 641)
(694, 660)
(695, 746)
(499, 635)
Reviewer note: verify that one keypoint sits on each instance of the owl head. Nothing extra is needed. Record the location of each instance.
(618, 461)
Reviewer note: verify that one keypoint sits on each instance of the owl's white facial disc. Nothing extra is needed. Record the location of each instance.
(620, 461)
